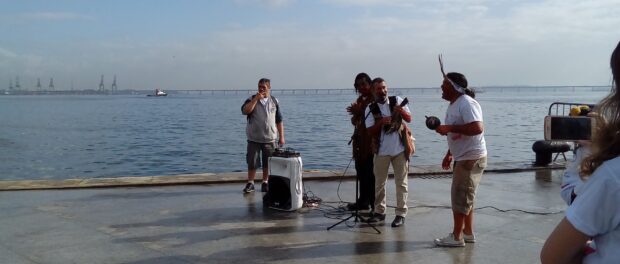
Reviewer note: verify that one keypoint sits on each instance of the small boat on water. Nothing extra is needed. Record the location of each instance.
(158, 93)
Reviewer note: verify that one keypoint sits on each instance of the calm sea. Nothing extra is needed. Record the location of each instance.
(60, 137)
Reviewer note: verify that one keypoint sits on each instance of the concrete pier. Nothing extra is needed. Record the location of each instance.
(215, 223)
(232, 177)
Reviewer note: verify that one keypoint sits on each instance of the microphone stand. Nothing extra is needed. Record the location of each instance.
(356, 212)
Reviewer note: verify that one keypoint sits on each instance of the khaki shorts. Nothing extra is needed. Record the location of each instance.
(256, 151)
(465, 180)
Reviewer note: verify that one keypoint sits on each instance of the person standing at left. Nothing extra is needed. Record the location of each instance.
(362, 152)
(389, 149)
(264, 127)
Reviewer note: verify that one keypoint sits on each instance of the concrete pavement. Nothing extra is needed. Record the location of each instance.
(216, 223)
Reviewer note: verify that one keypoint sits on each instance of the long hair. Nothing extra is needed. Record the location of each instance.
(362, 76)
(460, 79)
(606, 138)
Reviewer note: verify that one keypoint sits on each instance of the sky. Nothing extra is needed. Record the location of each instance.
(304, 44)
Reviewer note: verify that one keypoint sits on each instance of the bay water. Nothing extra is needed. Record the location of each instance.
(92, 136)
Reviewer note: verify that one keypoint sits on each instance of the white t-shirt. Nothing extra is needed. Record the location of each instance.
(390, 143)
(463, 111)
(596, 212)
(265, 102)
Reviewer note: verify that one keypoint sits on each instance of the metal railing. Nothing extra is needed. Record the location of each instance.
(563, 109)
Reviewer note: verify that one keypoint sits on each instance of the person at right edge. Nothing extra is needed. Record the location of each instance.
(392, 143)
(594, 214)
(467, 148)
(362, 153)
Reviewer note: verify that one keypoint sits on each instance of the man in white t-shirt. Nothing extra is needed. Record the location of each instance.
(389, 149)
(467, 148)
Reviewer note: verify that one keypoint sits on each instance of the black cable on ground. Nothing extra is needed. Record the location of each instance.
(341, 178)
(339, 212)
(313, 202)
(483, 207)
(519, 210)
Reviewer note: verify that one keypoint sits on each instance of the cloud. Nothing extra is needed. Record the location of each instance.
(266, 3)
(492, 42)
(570, 18)
(51, 16)
(450, 4)
(371, 2)
(4, 53)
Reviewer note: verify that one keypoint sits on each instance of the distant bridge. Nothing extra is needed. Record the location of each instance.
(301, 91)
(421, 90)
(349, 91)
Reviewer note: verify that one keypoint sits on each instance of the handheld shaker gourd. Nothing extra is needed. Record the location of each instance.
(432, 122)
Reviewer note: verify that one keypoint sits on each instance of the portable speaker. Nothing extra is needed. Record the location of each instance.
(285, 184)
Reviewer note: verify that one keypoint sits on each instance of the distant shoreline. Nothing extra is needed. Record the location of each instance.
(594, 88)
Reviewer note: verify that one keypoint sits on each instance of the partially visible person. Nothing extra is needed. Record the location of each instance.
(571, 181)
(595, 212)
(264, 127)
(467, 148)
(389, 148)
(362, 153)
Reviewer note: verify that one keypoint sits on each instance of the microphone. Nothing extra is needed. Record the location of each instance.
(432, 122)
(404, 102)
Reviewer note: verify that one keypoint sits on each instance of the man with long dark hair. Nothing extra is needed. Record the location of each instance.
(362, 153)
(467, 148)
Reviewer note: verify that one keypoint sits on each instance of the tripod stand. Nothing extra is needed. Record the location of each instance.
(356, 212)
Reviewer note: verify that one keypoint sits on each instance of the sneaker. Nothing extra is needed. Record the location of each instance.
(398, 221)
(449, 241)
(248, 188)
(376, 219)
(469, 238)
(264, 187)
(354, 206)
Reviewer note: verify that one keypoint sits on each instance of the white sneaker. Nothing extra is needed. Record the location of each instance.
(449, 241)
(469, 238)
